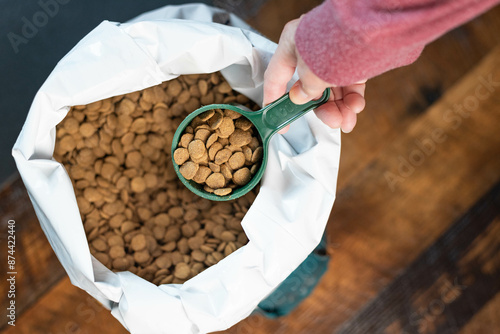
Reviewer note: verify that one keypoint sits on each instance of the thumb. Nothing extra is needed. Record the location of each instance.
(309, 86)
(282, 65)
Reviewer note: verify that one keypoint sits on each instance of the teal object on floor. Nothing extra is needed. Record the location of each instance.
(296, 287)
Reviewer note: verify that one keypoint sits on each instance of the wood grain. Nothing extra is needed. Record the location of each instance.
(486, 320)
(448, 283)
(66, 309)
(37, 266)
(274, 14)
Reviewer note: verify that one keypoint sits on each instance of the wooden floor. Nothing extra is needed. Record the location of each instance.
(414, 235)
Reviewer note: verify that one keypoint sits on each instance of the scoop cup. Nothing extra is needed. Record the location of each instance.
(268, 120)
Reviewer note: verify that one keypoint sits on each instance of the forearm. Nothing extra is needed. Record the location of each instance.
(344, 41)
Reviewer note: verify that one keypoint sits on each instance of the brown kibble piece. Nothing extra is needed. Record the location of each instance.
(254, 169)
(254, 143)
(237, 160)
(202, 174)
(116, 252)
(182, 271)
(139, 125)
(189, 169)
(202, 134)
(214, 148)
(120, 264)
(257, 154)
(242, 176)
(222, 156)
(206, 115)
(99, 245)
(186, 139)
(87, 130)
(215, 181)
(142, 256)
(232, 114)
(138, 184)
(198, 255)
(212, 139)
(216, 120)
(108, 170)
(151, 180)
(247, 151)
(226, 171)
(223, 191)
(164, 261)
(227, 236)
(195, 242)
(92, 195)
(162, 219)
(226, 128)
(224, 141)
(203, 160)
(181, 155)
(214, 167)
(187, 230)
(110, 209)
(224, 88)
(71, 125)
(133, 159)
(196, 149)
(174, 88)
(176, 212)
(138, 242)
(243, 123)
(67, 143)
(115, 240)
(203, 87)
(240, 138)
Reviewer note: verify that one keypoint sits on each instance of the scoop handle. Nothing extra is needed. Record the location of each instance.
(283, 111)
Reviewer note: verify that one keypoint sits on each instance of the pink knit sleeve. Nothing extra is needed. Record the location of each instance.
(344, 41)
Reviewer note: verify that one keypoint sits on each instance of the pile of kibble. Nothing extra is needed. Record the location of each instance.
(137, 215)
(220, 149)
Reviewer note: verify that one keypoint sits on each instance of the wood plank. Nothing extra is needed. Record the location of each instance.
(274, 14)
(378, 231)
(446, 285)
(487, 320)
(37, 266)
(66, 309)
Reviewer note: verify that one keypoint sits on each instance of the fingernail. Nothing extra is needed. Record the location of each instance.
(345, 131)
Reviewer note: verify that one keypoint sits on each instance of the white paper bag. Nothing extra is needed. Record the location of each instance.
(283, 225)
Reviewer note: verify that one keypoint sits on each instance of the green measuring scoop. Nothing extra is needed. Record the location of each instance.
(268, 120)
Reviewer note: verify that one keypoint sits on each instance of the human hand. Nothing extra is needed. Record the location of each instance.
(345, 102)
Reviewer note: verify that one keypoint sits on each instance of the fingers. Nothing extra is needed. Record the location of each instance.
(282, 65)
(348, 118)
(329, 114)
(353, 97)
(284, 130)
(309, 86)
(336, 114)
